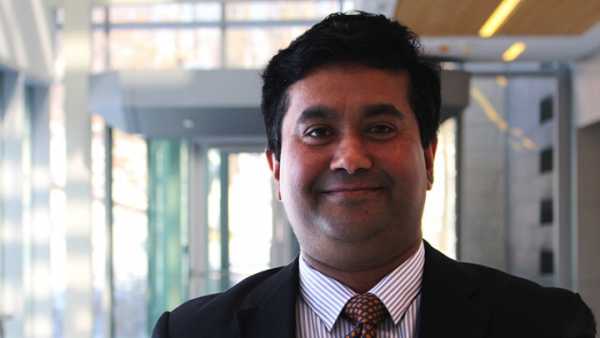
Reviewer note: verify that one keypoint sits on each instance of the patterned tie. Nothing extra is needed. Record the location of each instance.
(366, 312)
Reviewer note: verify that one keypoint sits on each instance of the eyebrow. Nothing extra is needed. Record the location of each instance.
(372, 110)
(315, 112)
(383, 109)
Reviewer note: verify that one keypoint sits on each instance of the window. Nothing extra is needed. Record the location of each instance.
(203, 35)
(253, 47)
(166, 13)
(546, 262)
(1, 204)
(546, 160)
(546, 212)
(129, 234)
(279, 10)
(439, 215)
(164, 48)
(240, 184)
(546, 109)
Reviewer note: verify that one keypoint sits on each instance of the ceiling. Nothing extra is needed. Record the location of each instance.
(551, 29)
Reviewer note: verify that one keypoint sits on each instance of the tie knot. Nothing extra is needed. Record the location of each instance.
(365, 309)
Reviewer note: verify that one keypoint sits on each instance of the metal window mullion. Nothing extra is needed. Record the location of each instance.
(108, 210)
(224, 179)
(223, 27)
(107, 27)
(161, 25)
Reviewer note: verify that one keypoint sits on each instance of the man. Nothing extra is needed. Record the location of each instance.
(351, 109)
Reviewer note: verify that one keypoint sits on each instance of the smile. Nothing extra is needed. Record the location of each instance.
(351, 192)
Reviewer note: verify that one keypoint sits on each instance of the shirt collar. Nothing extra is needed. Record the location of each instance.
(327, 297)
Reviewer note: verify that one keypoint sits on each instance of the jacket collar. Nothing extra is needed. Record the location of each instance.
(272, 306)
(446, 310)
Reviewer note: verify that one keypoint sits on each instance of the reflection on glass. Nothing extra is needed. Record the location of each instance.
(98, 15)
(165, 48)
(250, 215)
(58, 174)
(439, 216)
(246, 248)
(59, 61)
(347, 5)
(129, 234)
(253, 47)
(280, 10)
(168, 226)
(214, 221)
(173, 12)
(1, 211)
(99, 51)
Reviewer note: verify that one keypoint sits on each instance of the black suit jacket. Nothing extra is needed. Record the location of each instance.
(458, 300)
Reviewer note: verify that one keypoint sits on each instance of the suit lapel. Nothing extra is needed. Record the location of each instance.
(445, 307)
(272, 312)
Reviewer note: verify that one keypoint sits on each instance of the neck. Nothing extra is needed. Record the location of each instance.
(361, 280)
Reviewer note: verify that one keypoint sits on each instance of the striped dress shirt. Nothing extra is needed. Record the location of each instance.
(321, 301)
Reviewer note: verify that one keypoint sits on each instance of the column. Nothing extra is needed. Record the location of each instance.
(79, 288)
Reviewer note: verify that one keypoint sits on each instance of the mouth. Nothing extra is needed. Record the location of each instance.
(350, 192)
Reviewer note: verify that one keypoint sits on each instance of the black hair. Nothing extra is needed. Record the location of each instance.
(357, 37)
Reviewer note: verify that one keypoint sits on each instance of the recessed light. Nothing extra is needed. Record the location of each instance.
(513, 51)
(188, 123)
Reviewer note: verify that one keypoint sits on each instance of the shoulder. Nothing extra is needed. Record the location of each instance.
(528, 305)
(512, 301)
(215, 314)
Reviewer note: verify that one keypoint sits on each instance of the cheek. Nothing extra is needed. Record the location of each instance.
(299, 171)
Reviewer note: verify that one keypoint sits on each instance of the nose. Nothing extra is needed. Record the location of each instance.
(351, 154)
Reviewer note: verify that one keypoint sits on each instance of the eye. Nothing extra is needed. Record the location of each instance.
(318, 132)
(380, 129)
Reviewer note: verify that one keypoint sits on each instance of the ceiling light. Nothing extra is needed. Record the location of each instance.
(497, 19)
(513, 51)
(188, 123)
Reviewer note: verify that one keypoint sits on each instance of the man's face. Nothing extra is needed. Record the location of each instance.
(352, 173)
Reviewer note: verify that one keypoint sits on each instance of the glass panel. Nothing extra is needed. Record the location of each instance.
(439, 216)
(168, 224)
(26, 201)
(279, 10)
(165, 48)
(129, 235)
(210, 11)
(253, 47)
(99, 51)
(58, 174)
(98, 15)
(59, 63)
(214, 222)
(1, 204)
(250, 215)
(173, 12)
(59, 16)
(240, 240)
(348, 5)
(501, 183)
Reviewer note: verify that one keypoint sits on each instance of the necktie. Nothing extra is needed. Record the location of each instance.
(366, 311)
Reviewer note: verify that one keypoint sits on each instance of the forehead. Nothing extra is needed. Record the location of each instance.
(348, 87)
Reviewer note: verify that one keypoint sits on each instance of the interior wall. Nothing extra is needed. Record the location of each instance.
(527, 187)
(588, 214)
(26, 37)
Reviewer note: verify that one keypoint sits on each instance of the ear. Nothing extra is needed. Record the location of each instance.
(274, 165)
(429, 153)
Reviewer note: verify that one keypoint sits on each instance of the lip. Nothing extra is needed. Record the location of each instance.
(347, 192)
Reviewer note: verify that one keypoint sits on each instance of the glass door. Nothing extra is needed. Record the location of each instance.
(240, 216)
